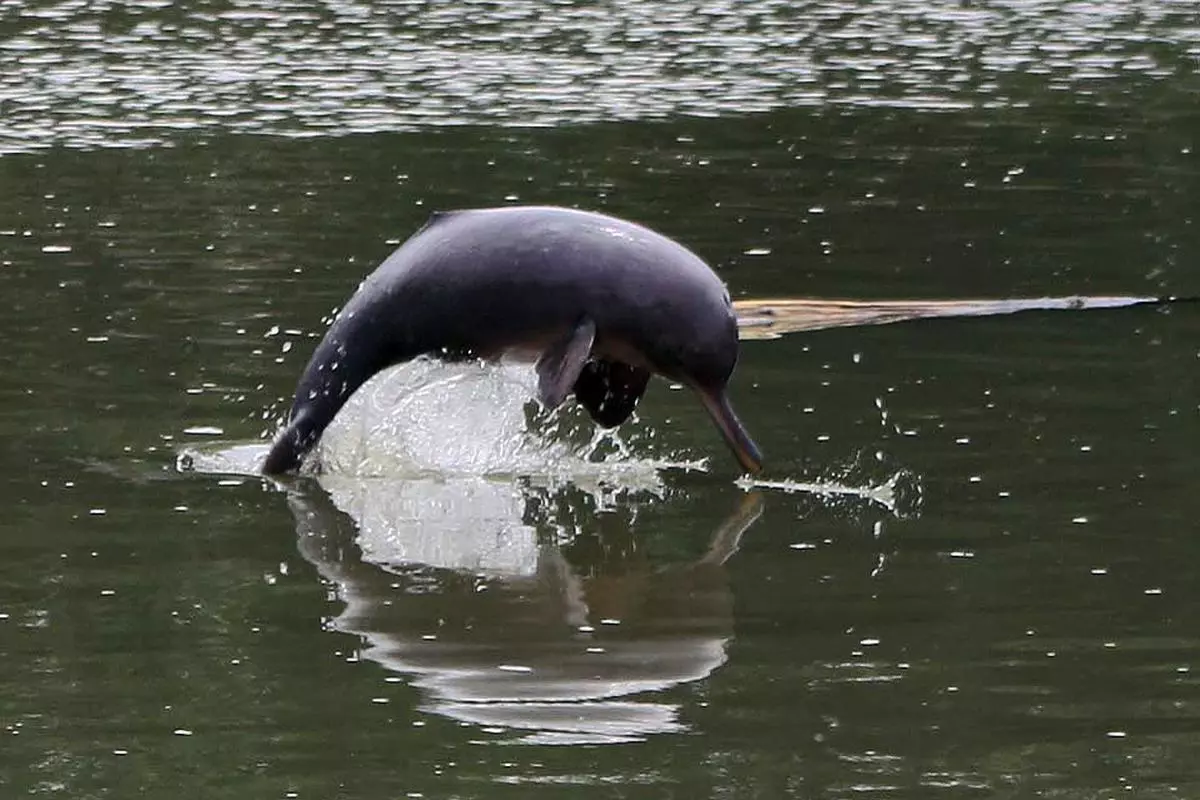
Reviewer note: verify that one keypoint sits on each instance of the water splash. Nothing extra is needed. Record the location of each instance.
(222, 458)
(430, 419)
(900, 494)
(471, 419)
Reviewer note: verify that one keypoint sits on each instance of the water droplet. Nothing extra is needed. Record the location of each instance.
(204, 430)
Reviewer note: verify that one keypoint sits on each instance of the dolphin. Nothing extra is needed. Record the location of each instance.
(599, 303)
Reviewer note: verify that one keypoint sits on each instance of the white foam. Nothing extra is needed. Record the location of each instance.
(428, 418)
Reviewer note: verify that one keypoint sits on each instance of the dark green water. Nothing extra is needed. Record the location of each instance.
(185, 195)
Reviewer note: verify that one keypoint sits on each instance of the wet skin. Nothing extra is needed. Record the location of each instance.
(600, 303)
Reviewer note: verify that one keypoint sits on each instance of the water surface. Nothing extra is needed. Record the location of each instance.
(188, 194)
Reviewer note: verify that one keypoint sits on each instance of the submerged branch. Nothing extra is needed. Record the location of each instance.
(770, 318)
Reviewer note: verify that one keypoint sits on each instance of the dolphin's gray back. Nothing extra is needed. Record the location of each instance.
(478, 279)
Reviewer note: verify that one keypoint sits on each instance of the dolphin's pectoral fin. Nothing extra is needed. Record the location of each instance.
(610, 390)
(560, 365)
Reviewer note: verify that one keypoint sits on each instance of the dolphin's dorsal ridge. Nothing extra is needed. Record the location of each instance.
(560, 364)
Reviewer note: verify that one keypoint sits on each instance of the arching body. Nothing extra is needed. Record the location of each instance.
(601, 303)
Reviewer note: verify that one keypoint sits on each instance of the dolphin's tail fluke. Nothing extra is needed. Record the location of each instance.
(290, 446)
(348, 356)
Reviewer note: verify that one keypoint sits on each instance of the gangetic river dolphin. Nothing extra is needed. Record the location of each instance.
(599, 302)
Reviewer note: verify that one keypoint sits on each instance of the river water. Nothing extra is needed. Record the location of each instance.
(966, 572)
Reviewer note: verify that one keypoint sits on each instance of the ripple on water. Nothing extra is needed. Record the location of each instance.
(94, 75)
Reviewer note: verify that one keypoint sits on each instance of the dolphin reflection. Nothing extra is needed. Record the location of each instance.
(480, 591)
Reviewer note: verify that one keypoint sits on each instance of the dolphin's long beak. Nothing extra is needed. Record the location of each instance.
(716, 403)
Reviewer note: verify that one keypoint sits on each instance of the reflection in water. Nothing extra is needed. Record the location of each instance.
(471, 558)
(469, 586)
(453, 528)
